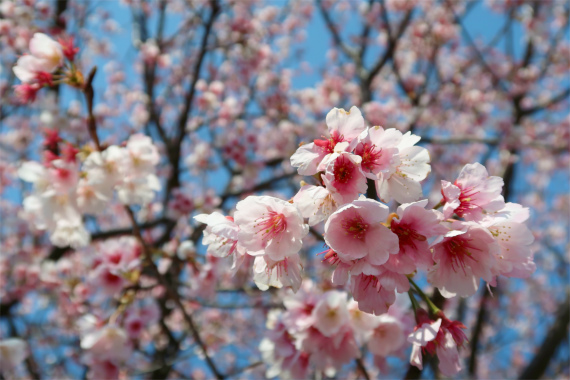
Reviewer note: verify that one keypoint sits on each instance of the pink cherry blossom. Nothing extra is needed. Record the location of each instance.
(362, 323)
(315, 203)
(349, 125)
(344, 128)
(344, 179)
(331, 313)
(47, 56)
(473, 193)
(378, 155)
(270, 226)
(47, 50)
(108, 343)
(514, 239)
(355, 231)
(30, 69)
(398, 164)
(221, 234)
(463, 256)
(278, 274)
(414, 225)
(92, 198)
(375, 289)
(331, 353)
(387, 337)
(441, 337)
(424, 333)
(26, 93)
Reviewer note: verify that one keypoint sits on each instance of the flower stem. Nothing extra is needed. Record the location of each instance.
(431, 306)
(415, 304)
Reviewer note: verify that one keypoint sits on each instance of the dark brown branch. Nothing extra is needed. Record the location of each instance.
(362, 368)
(176, 146)
(174, 296)
(334, 32)
(478, 53)
(549, 103)
(557, 333)
(477, 330)
(388, 54)
(244, 369)
(260, 186)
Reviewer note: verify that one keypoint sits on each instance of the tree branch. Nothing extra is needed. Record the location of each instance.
(334, 32)
(557, 333)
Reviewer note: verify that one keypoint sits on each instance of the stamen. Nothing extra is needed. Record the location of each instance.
(328, 144)
(271, 225)
(356, 227)
(343, 168)
(406, 235)
(370, 155)
(460, 250)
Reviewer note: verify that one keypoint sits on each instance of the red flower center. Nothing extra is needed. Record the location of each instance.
(355, 227)
(328, 144)
(370, 154)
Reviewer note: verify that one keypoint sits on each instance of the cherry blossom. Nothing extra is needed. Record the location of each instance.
(400, 180)
(387, 337)
(315, 203)
(108, 343)
(355, 231)
(47, 56)
(344, 128)
(463, 256)
(344, 179)
(221, 234)
(473, 193)
(285, 272)
(331, 313)
(441, 337)
(270, 226)
(414, 225)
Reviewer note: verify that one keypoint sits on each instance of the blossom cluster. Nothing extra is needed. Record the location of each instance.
(327, 330)
(70, 183)
(37, 69)
(108, 344)
(375, 252)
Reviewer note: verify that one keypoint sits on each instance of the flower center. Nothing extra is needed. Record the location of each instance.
(343, 168)
(355, 227)
(369, 154)
(271, 225)
(466, 199)
(370, 281)
(406, 235)
(460, 251)
(328, 145)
